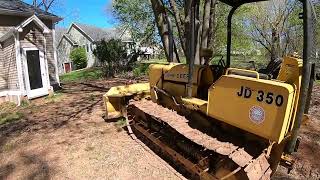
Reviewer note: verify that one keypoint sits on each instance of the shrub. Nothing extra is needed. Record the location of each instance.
(79, 57)
(140, 70)
(112, 54)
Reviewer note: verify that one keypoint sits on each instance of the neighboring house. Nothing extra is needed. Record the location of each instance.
(28, 64)
(86, 36)
(149, 52)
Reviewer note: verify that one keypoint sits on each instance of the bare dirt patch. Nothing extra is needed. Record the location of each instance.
(307, 164)
(67, 138)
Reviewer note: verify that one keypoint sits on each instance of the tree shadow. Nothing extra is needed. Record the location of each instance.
(41, 169)
(52, 116)
(33, 165)
(6, 170)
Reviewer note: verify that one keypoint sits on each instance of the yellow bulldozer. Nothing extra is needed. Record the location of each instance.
(219, 122)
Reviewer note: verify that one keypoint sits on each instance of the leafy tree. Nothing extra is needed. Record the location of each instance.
(79, 57)
(137, 16)
(112, 54)
(276, 26)
(142, 16)
(272, 26)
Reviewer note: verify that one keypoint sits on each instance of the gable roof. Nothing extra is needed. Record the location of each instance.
(68, 39)
(91, 32)
(20, 27)
(37, 21)
(59, 32)
(20, 8)
(97, 34)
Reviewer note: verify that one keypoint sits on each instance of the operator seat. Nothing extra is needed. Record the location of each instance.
(273, 68)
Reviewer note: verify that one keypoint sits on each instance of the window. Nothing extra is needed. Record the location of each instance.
(87, 47)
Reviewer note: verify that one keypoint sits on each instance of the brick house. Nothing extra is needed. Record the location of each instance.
(28, 60)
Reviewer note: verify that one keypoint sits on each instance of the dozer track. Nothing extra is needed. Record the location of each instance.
(163, 127)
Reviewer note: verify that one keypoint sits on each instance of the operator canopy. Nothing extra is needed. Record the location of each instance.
(239, 2)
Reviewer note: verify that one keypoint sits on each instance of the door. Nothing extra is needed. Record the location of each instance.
(35, 73)
(67, 67)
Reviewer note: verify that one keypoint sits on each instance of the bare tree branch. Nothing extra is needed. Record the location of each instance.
(177, 18)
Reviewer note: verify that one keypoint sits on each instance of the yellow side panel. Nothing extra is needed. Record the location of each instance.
(155, 74)
(174, 89)
(179, 73)
(291, 72)
(261, 107)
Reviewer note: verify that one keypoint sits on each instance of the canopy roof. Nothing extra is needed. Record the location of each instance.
(239, 2)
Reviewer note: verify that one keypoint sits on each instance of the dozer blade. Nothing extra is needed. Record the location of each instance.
(116, 98)
(203, 156)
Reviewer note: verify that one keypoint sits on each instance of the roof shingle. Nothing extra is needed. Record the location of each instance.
(18, 7)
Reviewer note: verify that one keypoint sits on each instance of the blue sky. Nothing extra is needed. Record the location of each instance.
(92, 12)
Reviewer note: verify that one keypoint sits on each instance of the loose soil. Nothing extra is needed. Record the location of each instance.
(67, 138)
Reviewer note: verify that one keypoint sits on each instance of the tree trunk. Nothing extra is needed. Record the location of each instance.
(187, 29)
(212, 25)
(275, 44)
(179, 25)
(189, 33)
(205, 27)
(198, 30)
(163, 28)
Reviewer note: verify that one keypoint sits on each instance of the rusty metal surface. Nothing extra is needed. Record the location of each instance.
(188, 164)
(255, 168)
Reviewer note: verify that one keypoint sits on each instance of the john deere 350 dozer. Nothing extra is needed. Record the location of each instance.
(220, 122)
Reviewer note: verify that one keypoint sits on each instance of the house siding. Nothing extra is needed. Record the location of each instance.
(64, 50)
(8, 68)
(83, 41)
(43, 42)
(50, 59)
(9, 22)
(32, 37)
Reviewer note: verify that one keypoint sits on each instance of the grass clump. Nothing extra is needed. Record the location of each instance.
(24, 103)
(82, 75)
(55, 97)
(10, 117)
(9, 112)
(120, 124)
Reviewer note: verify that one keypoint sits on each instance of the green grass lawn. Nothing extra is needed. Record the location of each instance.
(82, 75)
(238, 61)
